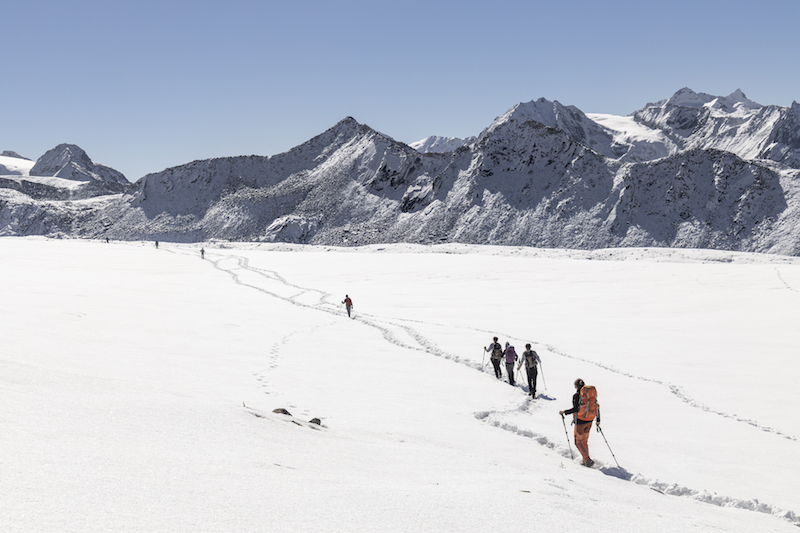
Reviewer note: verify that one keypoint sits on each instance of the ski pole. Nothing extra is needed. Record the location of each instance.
(567, 434)
(609, 447)
(543, 380)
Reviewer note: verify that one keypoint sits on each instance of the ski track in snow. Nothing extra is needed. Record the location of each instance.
(674, 389)
(678, 392)
(238, 267)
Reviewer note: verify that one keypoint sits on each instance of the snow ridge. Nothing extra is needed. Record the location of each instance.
(437, 144)
(15, 155)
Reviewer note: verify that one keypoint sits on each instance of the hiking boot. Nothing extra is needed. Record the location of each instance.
(589, 463)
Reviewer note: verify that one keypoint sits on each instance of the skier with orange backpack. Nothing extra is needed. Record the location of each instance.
(584, 410)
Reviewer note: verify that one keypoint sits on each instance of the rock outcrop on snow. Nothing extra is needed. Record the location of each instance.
(690, 171)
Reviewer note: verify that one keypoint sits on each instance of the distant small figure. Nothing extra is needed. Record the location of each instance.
(497, 354)
(202, 253)
(107, 240)
(348, 303)
(511, 358)
(156, 244)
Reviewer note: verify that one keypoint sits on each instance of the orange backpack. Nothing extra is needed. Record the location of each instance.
(587, 407)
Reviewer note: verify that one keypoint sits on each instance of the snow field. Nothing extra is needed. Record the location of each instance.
(139, 385)
(10, 166)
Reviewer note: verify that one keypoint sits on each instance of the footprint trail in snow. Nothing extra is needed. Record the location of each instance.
(400, 332)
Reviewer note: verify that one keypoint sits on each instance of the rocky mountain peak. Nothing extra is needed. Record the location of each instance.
(69, 161)
(55, 160)
(686, 97)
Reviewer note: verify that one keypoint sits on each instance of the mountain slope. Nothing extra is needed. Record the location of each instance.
(340, 177)
(520, 183)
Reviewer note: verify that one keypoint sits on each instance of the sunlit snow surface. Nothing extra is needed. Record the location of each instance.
(644, 144)
(15, 166)
(138, 386)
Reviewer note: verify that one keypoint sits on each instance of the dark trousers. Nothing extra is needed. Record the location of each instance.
(497, 372)
(532, 374)
(510, 370)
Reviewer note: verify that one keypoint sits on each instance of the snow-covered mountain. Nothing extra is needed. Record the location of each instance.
(690, 171)
(57, 194)
(64, 173)
(568, 119)
(71, 162)
(733, 123)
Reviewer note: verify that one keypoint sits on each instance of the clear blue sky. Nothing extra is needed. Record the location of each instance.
(145, 85)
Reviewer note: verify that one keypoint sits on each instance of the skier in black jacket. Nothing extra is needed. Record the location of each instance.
(531, 361)
(497, 355)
